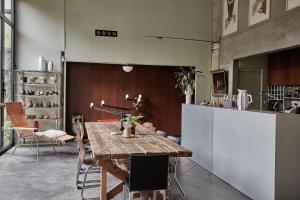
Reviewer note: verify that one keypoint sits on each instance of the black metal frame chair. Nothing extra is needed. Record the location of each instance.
(147, 173)
(91, 167)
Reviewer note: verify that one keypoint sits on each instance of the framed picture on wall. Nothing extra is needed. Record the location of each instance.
(230, 16)
(290, 4)
(259, 10)
(219, 83)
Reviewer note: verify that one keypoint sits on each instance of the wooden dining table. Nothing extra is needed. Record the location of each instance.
(107, 147)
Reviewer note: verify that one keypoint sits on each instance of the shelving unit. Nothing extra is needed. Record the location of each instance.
(283, 95)
(36, 88)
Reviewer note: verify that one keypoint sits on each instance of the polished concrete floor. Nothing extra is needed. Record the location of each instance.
(22, 177)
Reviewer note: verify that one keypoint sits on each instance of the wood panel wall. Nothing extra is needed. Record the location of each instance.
(87, 82)
(284, 68)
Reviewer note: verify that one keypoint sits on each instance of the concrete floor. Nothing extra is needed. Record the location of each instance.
(22, 177)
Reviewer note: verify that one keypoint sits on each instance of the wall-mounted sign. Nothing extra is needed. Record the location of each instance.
(106, 33)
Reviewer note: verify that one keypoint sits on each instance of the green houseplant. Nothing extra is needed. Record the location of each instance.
(130, 121)
(186, 81)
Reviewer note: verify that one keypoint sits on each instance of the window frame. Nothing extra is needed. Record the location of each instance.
(10, 22)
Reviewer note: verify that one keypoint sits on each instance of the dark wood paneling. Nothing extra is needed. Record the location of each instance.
(284, 68)
(88, 82)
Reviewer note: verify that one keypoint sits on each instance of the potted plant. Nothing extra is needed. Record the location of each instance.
(130, 121)
(186, 81)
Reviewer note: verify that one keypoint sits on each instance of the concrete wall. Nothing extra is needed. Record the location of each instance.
(279, 32)
(42, 24)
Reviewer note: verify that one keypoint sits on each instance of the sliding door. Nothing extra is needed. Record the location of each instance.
(7, 63)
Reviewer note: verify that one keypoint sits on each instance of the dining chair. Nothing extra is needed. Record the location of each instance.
(147, 173)
(91, 167)
(173, 172)
(79, 130)
(21, 125)
(173, 162)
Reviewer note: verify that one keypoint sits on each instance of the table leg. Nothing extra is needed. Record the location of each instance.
(103, 187)
(107, 166)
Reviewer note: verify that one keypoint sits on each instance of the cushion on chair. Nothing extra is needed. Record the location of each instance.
(161, 133)
(174, 139)
(51, 133)
(149, 126)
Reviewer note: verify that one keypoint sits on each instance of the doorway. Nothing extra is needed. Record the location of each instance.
(252, 81)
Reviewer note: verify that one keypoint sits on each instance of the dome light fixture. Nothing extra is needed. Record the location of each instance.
(127, 68)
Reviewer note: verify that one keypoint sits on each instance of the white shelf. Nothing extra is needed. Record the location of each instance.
(38, 96)
(36, 119)
(42, 108)
(36, 72)
(38, 84)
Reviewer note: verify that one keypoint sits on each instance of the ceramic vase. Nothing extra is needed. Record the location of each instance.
(41, 63)
(50, 66)
(188, 95)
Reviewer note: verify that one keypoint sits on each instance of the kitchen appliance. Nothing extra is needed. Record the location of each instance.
(243, 99)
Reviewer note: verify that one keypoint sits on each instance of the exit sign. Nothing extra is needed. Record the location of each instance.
(106, 33)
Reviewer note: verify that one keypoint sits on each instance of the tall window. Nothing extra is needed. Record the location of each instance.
(7, 63)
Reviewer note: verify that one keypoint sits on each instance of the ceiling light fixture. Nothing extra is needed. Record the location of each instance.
(127, 68)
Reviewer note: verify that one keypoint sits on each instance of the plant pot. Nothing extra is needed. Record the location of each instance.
(127, 132)
(133, 128)
(188, 95)
(188, 99)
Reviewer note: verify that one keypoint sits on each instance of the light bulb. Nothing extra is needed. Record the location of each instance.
(127, 68)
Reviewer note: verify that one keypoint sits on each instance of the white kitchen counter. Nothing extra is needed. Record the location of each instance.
(256, 152)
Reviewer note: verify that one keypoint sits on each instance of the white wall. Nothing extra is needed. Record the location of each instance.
(39, 32)
(41, 29)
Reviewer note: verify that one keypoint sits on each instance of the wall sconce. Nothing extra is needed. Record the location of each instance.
(127, 68)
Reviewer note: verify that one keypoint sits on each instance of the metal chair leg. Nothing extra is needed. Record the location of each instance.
(37, 147)
(179, 185)
(77, 175)
(53, 145)
(84, 182)
(17, 145)
(176, 180)
(31, 142)
(124, 191)
(170, 181)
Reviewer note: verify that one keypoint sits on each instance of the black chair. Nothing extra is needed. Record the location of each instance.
(147, 173)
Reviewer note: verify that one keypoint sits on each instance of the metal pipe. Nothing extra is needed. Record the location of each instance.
(122, 114)
(116, 107)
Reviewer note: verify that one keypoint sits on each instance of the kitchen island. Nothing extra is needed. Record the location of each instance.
(256, 152)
